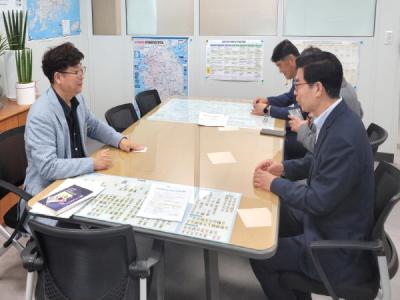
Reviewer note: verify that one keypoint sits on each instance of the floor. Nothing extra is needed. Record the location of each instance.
(185, 272)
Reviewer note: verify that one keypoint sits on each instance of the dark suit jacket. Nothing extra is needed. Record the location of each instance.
(279, 104)
(338, 199)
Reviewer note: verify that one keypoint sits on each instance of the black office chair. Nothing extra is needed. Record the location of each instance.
(377, 136)
(13, 165)
(121, 117)
(86, 264)
(147, 100)
(387, 194)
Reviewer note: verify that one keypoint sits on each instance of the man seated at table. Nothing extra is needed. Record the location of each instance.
(337, 201)
(284, 56)
(59, 123)
(305, 128)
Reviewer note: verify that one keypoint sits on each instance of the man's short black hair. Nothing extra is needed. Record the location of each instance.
(60, 58)
(323, 67)
(284, 49)
(310, 50)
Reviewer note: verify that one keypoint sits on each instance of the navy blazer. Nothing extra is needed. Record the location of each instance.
(279, 104)
(338, 199)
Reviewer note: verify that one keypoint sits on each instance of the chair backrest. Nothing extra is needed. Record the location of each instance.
(376, 135)
(387, 194)
(121, 117)
(13, 161)
(147, 100)
(85, 264)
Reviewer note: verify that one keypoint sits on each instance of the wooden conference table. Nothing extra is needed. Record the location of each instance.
(177, 153)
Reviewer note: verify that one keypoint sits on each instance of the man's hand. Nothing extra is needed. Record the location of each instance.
(263, 179)
(258, 109)
(101, 160)
(260, 100)
(295, 123)
(271, 166)
(127, 145)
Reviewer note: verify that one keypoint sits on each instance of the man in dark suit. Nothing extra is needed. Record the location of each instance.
(337, 200)
(284, 57)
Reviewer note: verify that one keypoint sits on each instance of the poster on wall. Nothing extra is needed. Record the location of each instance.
(11, 5)
(237, 60)
(348, 52)
(53, 18)
(161, 64)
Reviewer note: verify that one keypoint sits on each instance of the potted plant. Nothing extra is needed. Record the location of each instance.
(25, 86)
(15, 26)
(3, 47)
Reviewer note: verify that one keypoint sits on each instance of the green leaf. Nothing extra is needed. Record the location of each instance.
(15, 24)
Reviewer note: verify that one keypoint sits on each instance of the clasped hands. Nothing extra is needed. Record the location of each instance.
(258, 106)
(265, 172)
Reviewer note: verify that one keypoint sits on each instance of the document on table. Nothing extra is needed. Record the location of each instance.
(256, 217)
(94, 187)
(207, 119)
(166, 202)
(221, 158)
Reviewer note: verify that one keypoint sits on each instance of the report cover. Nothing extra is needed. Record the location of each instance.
(65, 199)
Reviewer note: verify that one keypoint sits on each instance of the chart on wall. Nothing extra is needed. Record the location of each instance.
(53, 18)
(235, 60)
(162, 64)
(348, 52)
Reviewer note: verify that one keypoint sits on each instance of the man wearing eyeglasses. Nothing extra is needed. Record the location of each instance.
(336, 202)
(59, 123)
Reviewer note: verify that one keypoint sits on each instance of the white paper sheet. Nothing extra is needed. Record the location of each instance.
(256, 217)
(221, 158)
(207, 119)
(166, 202)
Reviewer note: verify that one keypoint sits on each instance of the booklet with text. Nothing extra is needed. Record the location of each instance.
(68, 195)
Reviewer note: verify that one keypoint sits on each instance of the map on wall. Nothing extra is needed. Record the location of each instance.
(162, 64)
(53, 18)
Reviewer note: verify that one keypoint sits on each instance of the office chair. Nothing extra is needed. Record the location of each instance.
(147, 100)
(76, 264)
(387, 194)
(377, 136)
(121, 117)
(13, 165)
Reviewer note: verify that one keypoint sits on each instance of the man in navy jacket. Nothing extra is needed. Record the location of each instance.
(284, 56)
(337, 200)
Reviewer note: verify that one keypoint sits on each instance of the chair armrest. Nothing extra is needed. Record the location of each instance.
(24, 195)
(141, 268)
(13, 189)
(375, 246)
(31, 260)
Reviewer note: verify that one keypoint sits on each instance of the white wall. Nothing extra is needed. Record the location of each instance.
(39, 47)
(109, 80)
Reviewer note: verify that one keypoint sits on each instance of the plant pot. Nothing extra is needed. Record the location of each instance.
(26, 93)
(10, 74)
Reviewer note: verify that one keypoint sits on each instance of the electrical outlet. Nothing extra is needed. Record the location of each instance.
(388, 37)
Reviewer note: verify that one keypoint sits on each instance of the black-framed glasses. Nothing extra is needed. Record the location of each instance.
(296, 84)
(79, 72)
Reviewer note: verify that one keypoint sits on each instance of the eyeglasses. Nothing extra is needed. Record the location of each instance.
(79, 72)
(296, 84)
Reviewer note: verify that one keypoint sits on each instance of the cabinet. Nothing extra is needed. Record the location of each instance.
(11, 115)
